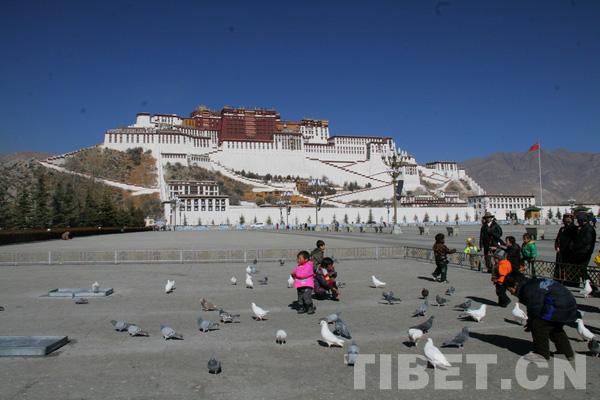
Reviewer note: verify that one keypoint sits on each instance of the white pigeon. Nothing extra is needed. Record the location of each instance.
(233, 280)
(414, 335)
(170, 286)
(259, 312)
(329, 337)
(290, 281)
(519, 314)
(95, 287)
(476, 314)
(435, 356)
(249, 269)
(377, 283)
(280, 336)
(249, 283)
(587, 288)
(584, 332)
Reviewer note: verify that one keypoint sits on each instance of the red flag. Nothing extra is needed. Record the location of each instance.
(534, 147)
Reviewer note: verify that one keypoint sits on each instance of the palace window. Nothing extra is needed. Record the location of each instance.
(195, 204)
(203, 205)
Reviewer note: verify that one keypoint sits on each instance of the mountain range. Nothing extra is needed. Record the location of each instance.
(565, 175)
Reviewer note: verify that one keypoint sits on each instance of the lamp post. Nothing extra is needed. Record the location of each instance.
(316, 193)
(395, 164)
(387, 203)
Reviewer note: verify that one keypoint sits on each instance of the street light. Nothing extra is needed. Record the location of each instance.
(387, 203)
(395, 164)
(316, 192)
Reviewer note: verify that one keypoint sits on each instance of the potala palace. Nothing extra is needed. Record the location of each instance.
(259, 142)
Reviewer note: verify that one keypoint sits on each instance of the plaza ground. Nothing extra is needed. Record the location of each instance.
(102, 363)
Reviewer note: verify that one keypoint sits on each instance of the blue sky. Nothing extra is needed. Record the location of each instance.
(448, 79)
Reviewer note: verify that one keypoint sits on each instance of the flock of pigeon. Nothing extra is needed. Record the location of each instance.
(337, 337)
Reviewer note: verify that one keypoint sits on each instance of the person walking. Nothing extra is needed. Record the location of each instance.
(550, 306)
(563, 245)
(502, 270)
(441, 251)
(583, 245)
(490, 237)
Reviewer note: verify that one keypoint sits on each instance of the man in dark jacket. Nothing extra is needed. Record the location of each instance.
(490, 236)
(513, 252)
(563, 245)
(550, 306)
(583, 244)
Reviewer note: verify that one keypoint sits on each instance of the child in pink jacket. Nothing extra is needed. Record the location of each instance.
(304, 283)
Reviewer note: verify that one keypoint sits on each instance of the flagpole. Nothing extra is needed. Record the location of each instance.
(540, 173)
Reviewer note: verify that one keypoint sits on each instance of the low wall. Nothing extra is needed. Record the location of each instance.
(34, 235)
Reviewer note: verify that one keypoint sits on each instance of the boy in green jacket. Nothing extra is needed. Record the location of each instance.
(529, 252)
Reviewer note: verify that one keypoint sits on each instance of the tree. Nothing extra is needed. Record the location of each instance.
(269, 221)
(333, 220)
(558, 214)
(358, 218)
(415, 218)
(184, 220)
(309, 220)
(212, 221)
(467, 216)
(370, 218)
(89, 214)
(22, 210)
(346, 218)
(4, 210)
(404, 218)
(41, 215)
(259, 201)
(199, 221)
(456, 218)
(255, 220)
(56, 206)
(226, 221)
(108, 214)
(242, 219)
(70, 206)
(426, 217)
(447, 218)
(550, 213)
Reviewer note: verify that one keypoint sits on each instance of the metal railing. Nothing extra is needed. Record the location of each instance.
(540, 268)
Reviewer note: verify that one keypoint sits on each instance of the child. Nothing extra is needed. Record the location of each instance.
(325, 280)
(471, 251)
(502, 270)
(441, 258)
(513, 252)
(304, 283)
(529, 253)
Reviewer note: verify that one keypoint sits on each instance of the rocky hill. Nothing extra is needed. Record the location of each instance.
(565, 174)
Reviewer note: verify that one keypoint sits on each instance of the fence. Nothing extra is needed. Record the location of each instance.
(546, 269)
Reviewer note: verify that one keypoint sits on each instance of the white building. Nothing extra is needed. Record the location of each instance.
(195, 203)
(503, 206)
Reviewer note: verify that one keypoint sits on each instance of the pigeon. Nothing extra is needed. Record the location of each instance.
(214, 365)
(422, 309)
(594, 347)
(290, 281)
(255, 261)
(81, 300)
(249, 269)
(249, 283)
(2, 308)
(281, 262)
(424, 326)
(280, 337)
(207, 305)
(135, 330)
(587, 288)
(205, 325)
(331, 318)
(440, 301)
(475, 314)
(120, 325)
(170, 286)
(464, 306)
(233, 280)
(414, 334)
(259, 312)
(341, 329)
(424, 293)
(584, 332)
(95, 287)
(519, 314)
(329, 337)
(458, 340)
(227, 317)
(435, 356)
(376, 282)
(450, 291)
(264, 281)
(169, 333)
(352, 354)
(389, 297)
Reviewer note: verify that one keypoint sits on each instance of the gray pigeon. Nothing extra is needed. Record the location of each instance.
(594, 347)
(424, 326)
(263, 281)
(207, 305)
(424, 293)
(81, 300)
(450, 291)
(441, 301)
(255, 261)
(227, 317)
(422, 309)
(464, 306)
(459, 340)
(2, 308)
(135, 330)
(205, 325)
(214, 365)
(389, 297)
(341, 329)
(281, 262)
(352, 355)
(120, 325)
(331, 318)
(169, 333)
